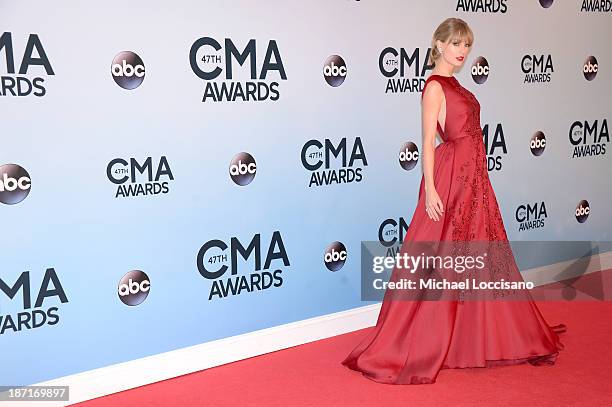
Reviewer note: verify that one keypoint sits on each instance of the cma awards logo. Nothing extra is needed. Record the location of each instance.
(397, 65)
(596, 6)
(480, 70)
(17, 82)
(495, 146)
(218, 64)
(335, 256)
(589, 68)
(537, 144)
(537, 68)
(128, 70)
(531, 216)
(318, 157)
(589, 138)
(213, 264)
(15, 184)
(391, 234)
(134, 287)
(242, 169)
(408, 156)
(583, 210)
(334, 70)
(34, 315)
(139, 178)
(482, 6)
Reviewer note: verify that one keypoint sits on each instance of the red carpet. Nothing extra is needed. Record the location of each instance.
(311, 375)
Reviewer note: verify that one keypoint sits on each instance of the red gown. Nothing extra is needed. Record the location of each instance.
(413, 340)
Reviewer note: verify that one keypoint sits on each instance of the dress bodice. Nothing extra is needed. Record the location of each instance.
(462, 109)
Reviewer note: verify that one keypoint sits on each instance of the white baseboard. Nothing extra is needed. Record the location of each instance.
(135, 373)
(139, 372)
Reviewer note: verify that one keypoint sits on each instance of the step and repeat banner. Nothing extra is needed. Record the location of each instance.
(173, 174)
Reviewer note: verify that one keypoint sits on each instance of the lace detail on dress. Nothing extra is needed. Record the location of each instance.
(472, 124)
(473, 177)
(477, 181)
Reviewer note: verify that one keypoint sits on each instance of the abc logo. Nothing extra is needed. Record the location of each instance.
(15, 184)
(582, 211)
(590, 68)
(537, 143)
(242, 168)
(334, 70)
(128, 70)
(134, 287)
(480, 70)
(546, 3)
(408, 155)
(335, 256)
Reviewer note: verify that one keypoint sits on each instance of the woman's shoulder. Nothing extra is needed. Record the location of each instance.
(433, 86)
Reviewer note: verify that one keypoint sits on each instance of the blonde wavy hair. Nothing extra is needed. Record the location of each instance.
(450, 29)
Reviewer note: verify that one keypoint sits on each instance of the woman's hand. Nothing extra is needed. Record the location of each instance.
(433, 204)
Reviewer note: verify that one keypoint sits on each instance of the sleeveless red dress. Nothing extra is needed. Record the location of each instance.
(413, 340)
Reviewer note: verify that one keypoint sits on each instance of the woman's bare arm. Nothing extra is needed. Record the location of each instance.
(431, 105)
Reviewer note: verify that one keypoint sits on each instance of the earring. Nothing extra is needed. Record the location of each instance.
(440, 50)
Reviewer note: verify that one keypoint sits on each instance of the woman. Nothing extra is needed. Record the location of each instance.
(414, 340)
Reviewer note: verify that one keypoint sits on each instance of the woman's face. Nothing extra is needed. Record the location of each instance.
(455, 51)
